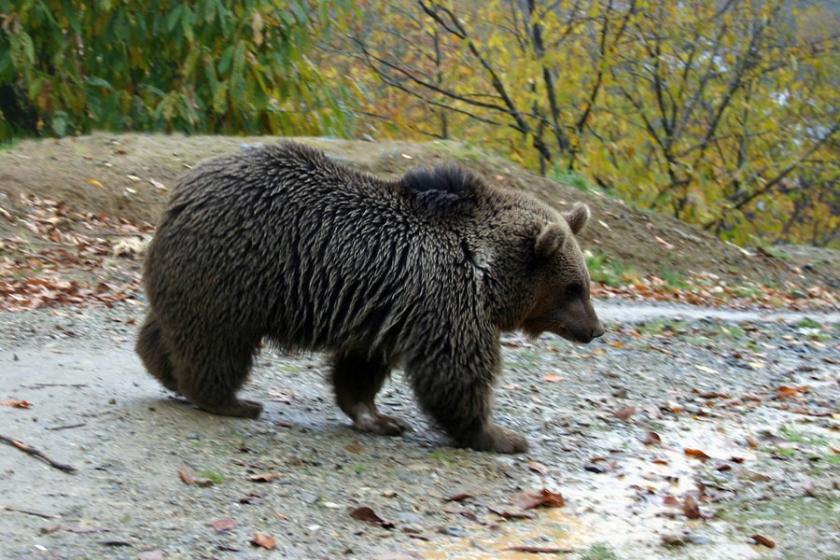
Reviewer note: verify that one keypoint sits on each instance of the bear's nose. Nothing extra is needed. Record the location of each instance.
(598, 331)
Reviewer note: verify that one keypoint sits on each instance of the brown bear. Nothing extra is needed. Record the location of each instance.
(423, 272)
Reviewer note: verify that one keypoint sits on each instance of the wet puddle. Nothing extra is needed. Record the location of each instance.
(624, 512)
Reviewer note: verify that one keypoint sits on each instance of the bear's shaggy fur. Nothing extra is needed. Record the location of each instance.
(424, 272)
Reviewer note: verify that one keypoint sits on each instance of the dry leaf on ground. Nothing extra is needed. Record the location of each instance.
(367, 515)
(538, 468)
(652, 438)
(222, 525)
(16, 403)
(263, 540)
(696, 453)
(460, 497)
(691, 509)
(764, 541)
(624, 413)
(543, 498)
(264, 477)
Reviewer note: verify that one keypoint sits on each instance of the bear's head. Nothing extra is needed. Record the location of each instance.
(562, 304)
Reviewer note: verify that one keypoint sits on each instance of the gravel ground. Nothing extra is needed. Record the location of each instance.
(758, 397)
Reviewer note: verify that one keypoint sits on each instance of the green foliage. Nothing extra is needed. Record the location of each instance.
(70, 66)
(673, 278)
(608, 270)
(793, 435)
(808, 323)
(572, 179)
(733, 332)
(213, 476)
(599, 552)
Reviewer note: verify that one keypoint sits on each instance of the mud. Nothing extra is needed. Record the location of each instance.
(702, 383)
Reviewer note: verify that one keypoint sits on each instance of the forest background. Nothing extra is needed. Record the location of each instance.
(723, 113)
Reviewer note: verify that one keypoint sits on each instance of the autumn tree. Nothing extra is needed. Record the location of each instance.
(723, 113)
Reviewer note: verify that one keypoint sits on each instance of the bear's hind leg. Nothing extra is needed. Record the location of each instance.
(210, 376)
(356, 380)
(154, 353)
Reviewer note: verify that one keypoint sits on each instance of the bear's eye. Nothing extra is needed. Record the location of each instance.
(574, 290)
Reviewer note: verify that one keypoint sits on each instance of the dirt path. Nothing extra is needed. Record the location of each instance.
(760, 398)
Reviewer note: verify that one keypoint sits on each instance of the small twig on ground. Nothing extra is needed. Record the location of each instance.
(37, 454)
(67, 427)
(45, 385)
(30, 512)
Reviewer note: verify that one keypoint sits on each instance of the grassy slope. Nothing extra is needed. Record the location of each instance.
(92, 173)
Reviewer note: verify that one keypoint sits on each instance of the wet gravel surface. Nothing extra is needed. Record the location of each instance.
(758, 398)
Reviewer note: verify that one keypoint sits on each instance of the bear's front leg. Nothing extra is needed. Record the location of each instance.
(357, 378)
(458, 396)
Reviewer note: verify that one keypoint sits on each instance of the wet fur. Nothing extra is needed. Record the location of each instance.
(282, 243)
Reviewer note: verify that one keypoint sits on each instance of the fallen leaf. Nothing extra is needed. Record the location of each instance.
(553, 378)
(543, 498)
(624, 413)
(190, 480)
(94, 182)
(186, 477)
(764, 541)
(663, 242)
(222, 525)
(538, 468)
(264, 477)
(16, 403)
(751, 442)
(652, 438)
(671, 501)
(787, 392)
(354, 447)
(367, 515)
(459, 497)
(263, 540)
(691, 509)
(696, 453)
(157, 184)
(712, 395)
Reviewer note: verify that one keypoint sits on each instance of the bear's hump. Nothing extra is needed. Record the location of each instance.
(444, 187)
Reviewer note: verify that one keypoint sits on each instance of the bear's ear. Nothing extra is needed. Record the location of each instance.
(577, 217)
(550, 240)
